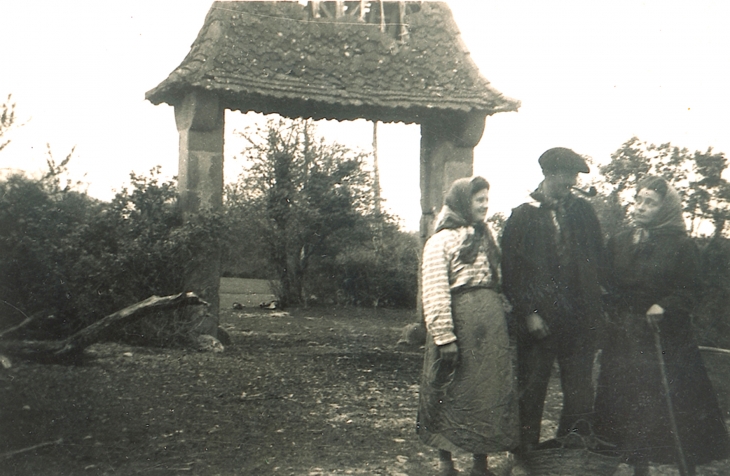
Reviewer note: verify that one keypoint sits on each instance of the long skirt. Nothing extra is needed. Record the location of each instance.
(631, 404)
(473, 406)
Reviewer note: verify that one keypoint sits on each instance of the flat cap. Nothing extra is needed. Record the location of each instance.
(561, 158)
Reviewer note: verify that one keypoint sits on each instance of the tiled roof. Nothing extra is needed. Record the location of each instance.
(271, 57)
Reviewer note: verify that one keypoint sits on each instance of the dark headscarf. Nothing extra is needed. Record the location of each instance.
(456, 213)
(669, 218)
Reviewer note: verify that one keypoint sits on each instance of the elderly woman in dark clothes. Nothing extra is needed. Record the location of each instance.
(652, 280)
(468, 400)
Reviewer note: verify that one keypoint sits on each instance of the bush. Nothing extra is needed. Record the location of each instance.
(307, 208)
(41, 252)
(244, 255)
(142, 248)
(711, 317)
(66, 255)
(303, 216)
(382, 272)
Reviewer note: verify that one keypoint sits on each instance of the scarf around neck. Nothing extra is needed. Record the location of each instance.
(456, 213)
(449, 220)
(545, 200)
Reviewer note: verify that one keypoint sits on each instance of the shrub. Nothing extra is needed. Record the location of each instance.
(308, 208)
(711, 317)
(382, 272)
(143, 248)
(66, 255)
(41, 250)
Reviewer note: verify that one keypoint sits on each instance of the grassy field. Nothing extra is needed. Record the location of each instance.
(247, 292)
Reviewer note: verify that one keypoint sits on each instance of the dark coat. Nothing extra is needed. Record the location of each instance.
(556, 278)
(631, 408)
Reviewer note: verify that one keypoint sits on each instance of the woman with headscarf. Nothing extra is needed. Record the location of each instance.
(467, 399)
(652, 281)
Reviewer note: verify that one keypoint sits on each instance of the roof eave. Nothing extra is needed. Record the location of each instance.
(329, 106)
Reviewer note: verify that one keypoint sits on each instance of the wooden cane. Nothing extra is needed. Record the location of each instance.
(681, 460)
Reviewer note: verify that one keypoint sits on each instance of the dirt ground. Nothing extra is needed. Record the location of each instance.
(311, 392)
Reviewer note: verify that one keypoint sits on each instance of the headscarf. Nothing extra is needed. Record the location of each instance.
(669, 218)
(456, 213)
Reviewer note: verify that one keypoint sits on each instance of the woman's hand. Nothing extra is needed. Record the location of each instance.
(536, 326)
(449, 353)
(655, 314)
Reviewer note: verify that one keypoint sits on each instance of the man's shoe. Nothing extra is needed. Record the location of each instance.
(519, 468)
(476, 472)
(641, 469)
(447, 469)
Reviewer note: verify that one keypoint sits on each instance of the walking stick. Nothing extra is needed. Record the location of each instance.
(681, 461)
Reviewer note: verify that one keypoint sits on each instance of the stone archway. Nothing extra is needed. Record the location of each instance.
(344, 60)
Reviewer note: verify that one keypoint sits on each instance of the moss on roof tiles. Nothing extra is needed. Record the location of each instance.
(273, 49)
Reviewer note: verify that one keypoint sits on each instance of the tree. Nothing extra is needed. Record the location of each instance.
(697, 176)
(636, 159)
(41, 223)
(310, 199)
(381, 271)
(310, 206)
(7, 120)
(705, 194)
(709, 195)
(72, 259)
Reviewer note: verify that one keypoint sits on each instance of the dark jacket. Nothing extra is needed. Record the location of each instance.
(554, 274)
(664, 270)
(631, 407)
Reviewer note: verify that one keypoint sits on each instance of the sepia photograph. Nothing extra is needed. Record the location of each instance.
(395, 238)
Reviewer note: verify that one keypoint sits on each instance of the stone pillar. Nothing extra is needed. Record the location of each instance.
(447, 153)
(200, 122)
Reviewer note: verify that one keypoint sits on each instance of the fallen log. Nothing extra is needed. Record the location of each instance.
(67, 350)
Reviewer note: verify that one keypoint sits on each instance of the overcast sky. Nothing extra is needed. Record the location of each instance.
(590, 75)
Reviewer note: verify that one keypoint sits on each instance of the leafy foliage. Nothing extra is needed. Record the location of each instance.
(611, 213)
(65, 255)
(301, 216)
(41, 229)
(310, 203)
(143, 248)
(379, 272)
(697, 176)
(705, 193)
(7, 120)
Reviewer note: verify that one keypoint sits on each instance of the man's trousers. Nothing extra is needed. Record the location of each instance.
(535, 359)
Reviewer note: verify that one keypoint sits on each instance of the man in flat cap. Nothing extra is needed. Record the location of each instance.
(551, 249)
